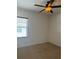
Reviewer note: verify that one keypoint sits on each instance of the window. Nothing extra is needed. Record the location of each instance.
(22, 26)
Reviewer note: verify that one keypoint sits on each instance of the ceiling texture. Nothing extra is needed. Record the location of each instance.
(29, 4)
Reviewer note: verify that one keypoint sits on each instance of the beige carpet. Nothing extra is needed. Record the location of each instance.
(40, 51)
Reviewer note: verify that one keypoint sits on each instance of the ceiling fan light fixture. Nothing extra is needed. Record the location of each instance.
(48, 9)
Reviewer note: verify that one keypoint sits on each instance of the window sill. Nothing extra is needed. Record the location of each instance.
(21, 37)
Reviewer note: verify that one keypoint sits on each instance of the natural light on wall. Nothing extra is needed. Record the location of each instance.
(22, 27)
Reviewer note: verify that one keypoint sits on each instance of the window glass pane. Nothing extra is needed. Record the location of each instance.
(21, 27)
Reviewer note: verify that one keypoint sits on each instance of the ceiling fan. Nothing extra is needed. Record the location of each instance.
(48, 7)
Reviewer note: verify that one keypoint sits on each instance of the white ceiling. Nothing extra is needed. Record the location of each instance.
(29, 4)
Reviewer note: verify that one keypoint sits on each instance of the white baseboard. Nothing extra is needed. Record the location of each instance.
(57, 44)
(30, 44)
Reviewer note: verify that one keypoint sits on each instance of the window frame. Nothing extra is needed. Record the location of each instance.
(27, 26)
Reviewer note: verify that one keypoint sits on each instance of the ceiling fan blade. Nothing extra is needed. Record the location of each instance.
(51, 11)
(39, 5)
(42, 10)
(57, 6)
(51, 1)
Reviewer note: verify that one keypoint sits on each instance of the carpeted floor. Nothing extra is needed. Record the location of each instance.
(40, 51)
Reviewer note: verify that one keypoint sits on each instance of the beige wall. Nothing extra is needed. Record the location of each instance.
(37, 28)
(55, 29)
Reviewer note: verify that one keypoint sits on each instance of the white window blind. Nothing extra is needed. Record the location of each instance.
(22, 25)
